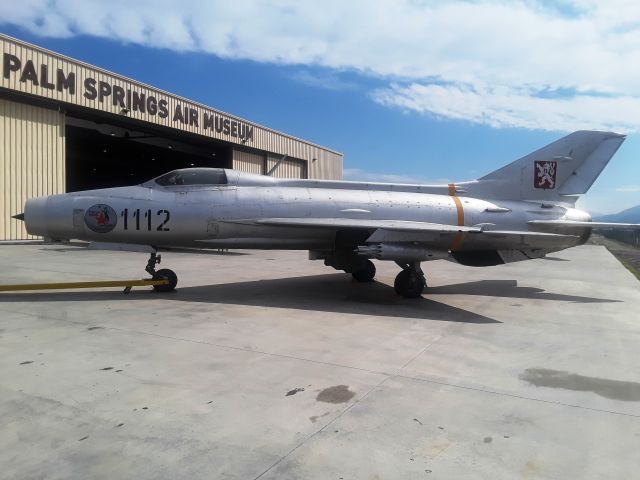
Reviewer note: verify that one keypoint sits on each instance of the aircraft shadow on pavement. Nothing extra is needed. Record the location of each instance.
(336, 293)
(510, 289)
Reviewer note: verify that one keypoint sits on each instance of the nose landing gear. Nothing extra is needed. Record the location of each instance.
(410, 282)
(162, 274)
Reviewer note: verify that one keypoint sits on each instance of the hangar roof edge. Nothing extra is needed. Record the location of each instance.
(145, 85)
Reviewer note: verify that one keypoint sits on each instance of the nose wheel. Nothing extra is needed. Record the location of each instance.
(162, 274)
(169, 276)
(410, 282)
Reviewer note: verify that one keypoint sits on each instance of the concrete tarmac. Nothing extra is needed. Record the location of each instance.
(265, 365)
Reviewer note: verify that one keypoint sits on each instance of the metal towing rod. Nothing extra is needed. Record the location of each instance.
(162, 281)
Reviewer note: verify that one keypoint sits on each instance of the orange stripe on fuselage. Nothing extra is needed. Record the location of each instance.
(457, 241)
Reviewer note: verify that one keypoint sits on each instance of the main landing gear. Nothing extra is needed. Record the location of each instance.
(410, 282)
(365, 273)
(162, 274)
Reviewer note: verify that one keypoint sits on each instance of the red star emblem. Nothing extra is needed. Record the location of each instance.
(101, 219)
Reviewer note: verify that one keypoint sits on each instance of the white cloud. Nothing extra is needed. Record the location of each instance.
(324, 80)
(512, 107)
(489, 59)
(628, 188)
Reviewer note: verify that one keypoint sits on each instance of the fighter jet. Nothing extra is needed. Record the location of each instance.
(521, 211)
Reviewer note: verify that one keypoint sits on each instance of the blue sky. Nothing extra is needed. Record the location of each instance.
(408, 90)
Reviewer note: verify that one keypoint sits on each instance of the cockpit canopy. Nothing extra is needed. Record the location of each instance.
(193, 176)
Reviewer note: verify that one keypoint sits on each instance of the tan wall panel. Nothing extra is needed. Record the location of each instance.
(248, 162)
(289, 168)
(25, 75)
(327, 166)
(32, 160)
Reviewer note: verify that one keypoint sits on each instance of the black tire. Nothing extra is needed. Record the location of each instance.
(366, 273)
(409, 284)
(170, 276)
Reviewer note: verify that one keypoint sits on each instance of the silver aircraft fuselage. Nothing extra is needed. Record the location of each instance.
(521, 211)
(224, 216)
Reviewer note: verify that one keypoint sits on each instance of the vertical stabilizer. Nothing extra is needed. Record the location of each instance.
(566, 167)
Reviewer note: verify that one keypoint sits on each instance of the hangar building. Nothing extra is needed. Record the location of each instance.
(66, 126)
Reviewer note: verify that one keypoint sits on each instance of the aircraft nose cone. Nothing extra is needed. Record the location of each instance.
(19, 216)
(36, 216)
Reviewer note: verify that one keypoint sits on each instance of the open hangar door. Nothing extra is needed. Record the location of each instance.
(103, 155)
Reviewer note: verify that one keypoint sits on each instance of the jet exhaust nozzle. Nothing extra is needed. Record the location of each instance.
(396, 252)
(18, 216)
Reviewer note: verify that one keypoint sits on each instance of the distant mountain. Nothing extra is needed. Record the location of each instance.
(630, 215)
(593, 214)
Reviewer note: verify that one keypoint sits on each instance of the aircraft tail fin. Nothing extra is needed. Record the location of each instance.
(557, 172)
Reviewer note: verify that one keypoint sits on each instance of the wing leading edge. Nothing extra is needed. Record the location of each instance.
(358, 223)
(396, 230)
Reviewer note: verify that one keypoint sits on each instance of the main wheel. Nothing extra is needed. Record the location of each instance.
(366, 273)
(409, 284)
(169, 276)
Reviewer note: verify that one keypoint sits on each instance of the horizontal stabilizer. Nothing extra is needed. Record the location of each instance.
(569, 224)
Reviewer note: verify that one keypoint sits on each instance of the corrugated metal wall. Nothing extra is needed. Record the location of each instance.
(77, 83)
(32, 160)
(248, 162)
(289, 168)
(326, 166)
